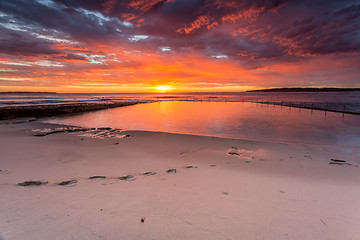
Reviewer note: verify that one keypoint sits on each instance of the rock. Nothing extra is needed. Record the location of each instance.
(104, 128)
(39, 134)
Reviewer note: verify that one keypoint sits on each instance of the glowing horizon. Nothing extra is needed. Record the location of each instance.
(186, 46)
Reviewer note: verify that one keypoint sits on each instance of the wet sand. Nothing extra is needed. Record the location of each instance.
(100, 183)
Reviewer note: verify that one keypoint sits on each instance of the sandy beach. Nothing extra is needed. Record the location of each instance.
(221, 188)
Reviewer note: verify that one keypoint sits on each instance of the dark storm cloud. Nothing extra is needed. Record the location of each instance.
(19, 43)
(248, 30)
(321, 31)
(80, 24)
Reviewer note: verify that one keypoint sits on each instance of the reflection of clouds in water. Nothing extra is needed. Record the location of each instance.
(239, 120)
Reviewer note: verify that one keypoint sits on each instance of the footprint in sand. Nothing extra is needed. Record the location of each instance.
(69, 182)
(234, 151)
(95, 177)
(171, 170)
(127, 178)
(32, 183)
(341, 162)
(191, 167)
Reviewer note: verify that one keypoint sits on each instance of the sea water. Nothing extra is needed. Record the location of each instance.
(239, 120)
(332, 101)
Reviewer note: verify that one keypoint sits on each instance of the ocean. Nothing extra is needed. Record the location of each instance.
(331, 101)
(230, 115)
(238, 120)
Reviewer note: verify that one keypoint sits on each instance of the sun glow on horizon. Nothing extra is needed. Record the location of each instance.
(247, 47)
(163, 88)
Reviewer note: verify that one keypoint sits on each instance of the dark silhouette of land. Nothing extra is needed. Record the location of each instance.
(306, 89)
(21, 92)
(37, 111)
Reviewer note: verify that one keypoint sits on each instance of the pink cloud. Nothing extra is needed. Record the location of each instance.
(109, 5)
(200, 22)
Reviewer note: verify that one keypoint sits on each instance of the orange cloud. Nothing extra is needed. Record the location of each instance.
(146, 5)
(128, 16)
(108, 5)
(250, 15)
(103, 53)
(201, 21)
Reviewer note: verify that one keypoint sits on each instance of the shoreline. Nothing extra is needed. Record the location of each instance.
(36, 111)
(99, 184)
(47, 110)
(306, 89)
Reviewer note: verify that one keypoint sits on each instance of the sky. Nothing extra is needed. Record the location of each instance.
(178, 45)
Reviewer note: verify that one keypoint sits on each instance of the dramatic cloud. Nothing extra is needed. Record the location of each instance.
(84, 45)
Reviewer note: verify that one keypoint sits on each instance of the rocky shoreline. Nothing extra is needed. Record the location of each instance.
(37, 111)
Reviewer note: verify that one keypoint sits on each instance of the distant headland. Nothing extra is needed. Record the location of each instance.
(305, 89)
(21, 92)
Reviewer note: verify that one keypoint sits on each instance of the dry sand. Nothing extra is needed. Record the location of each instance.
(222, 188)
